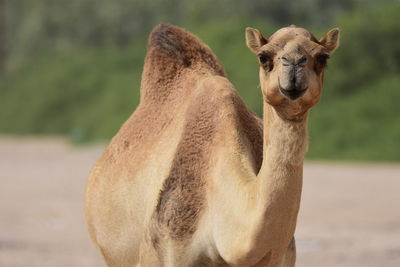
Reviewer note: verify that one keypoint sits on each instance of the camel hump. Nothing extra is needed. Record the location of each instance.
(170, 50)
(176, 44)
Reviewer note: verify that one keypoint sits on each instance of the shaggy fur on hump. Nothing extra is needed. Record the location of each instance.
(170, 50)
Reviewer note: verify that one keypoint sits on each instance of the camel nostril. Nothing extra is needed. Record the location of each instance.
(302, 61)
(285, 61)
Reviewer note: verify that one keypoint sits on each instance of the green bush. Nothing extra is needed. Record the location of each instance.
(362, 126)
(87, 92)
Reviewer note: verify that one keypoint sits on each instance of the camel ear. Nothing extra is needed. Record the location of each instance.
(254, 39)
(331, 40)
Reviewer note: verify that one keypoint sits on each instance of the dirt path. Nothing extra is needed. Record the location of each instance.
(350, 214)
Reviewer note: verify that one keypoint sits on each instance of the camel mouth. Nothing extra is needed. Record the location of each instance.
(292, 94)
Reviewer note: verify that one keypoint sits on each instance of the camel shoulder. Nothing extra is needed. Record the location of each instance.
(234, 123)
(231, 109)
(215, 111)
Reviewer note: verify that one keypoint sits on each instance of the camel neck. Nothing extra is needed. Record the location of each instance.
(280, 179)
(285, 141)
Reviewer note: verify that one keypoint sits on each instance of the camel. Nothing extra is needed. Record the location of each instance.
(193, 177)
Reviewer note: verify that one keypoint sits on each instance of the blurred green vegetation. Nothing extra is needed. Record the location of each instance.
(73, 67)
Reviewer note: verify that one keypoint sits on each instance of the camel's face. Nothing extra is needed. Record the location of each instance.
(292, 64)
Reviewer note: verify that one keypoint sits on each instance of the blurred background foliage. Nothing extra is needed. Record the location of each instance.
(73, 67)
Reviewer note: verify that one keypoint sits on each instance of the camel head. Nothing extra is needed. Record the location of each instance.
(292, 63)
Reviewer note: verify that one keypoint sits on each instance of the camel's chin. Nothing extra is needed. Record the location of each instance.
(292, 94)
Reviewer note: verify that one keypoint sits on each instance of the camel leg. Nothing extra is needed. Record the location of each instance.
(148, 256)
(288, 260)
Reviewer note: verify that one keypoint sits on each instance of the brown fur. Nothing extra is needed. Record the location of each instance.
(182, 195)
(193, 178)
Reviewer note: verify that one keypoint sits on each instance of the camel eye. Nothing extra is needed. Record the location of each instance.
(322, 59)
(264, 59)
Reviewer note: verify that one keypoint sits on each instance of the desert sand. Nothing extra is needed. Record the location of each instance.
(349, 217)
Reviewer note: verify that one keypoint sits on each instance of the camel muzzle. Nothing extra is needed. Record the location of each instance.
(293, 78)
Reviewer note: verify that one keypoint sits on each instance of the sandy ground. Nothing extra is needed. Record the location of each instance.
(350, 213)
